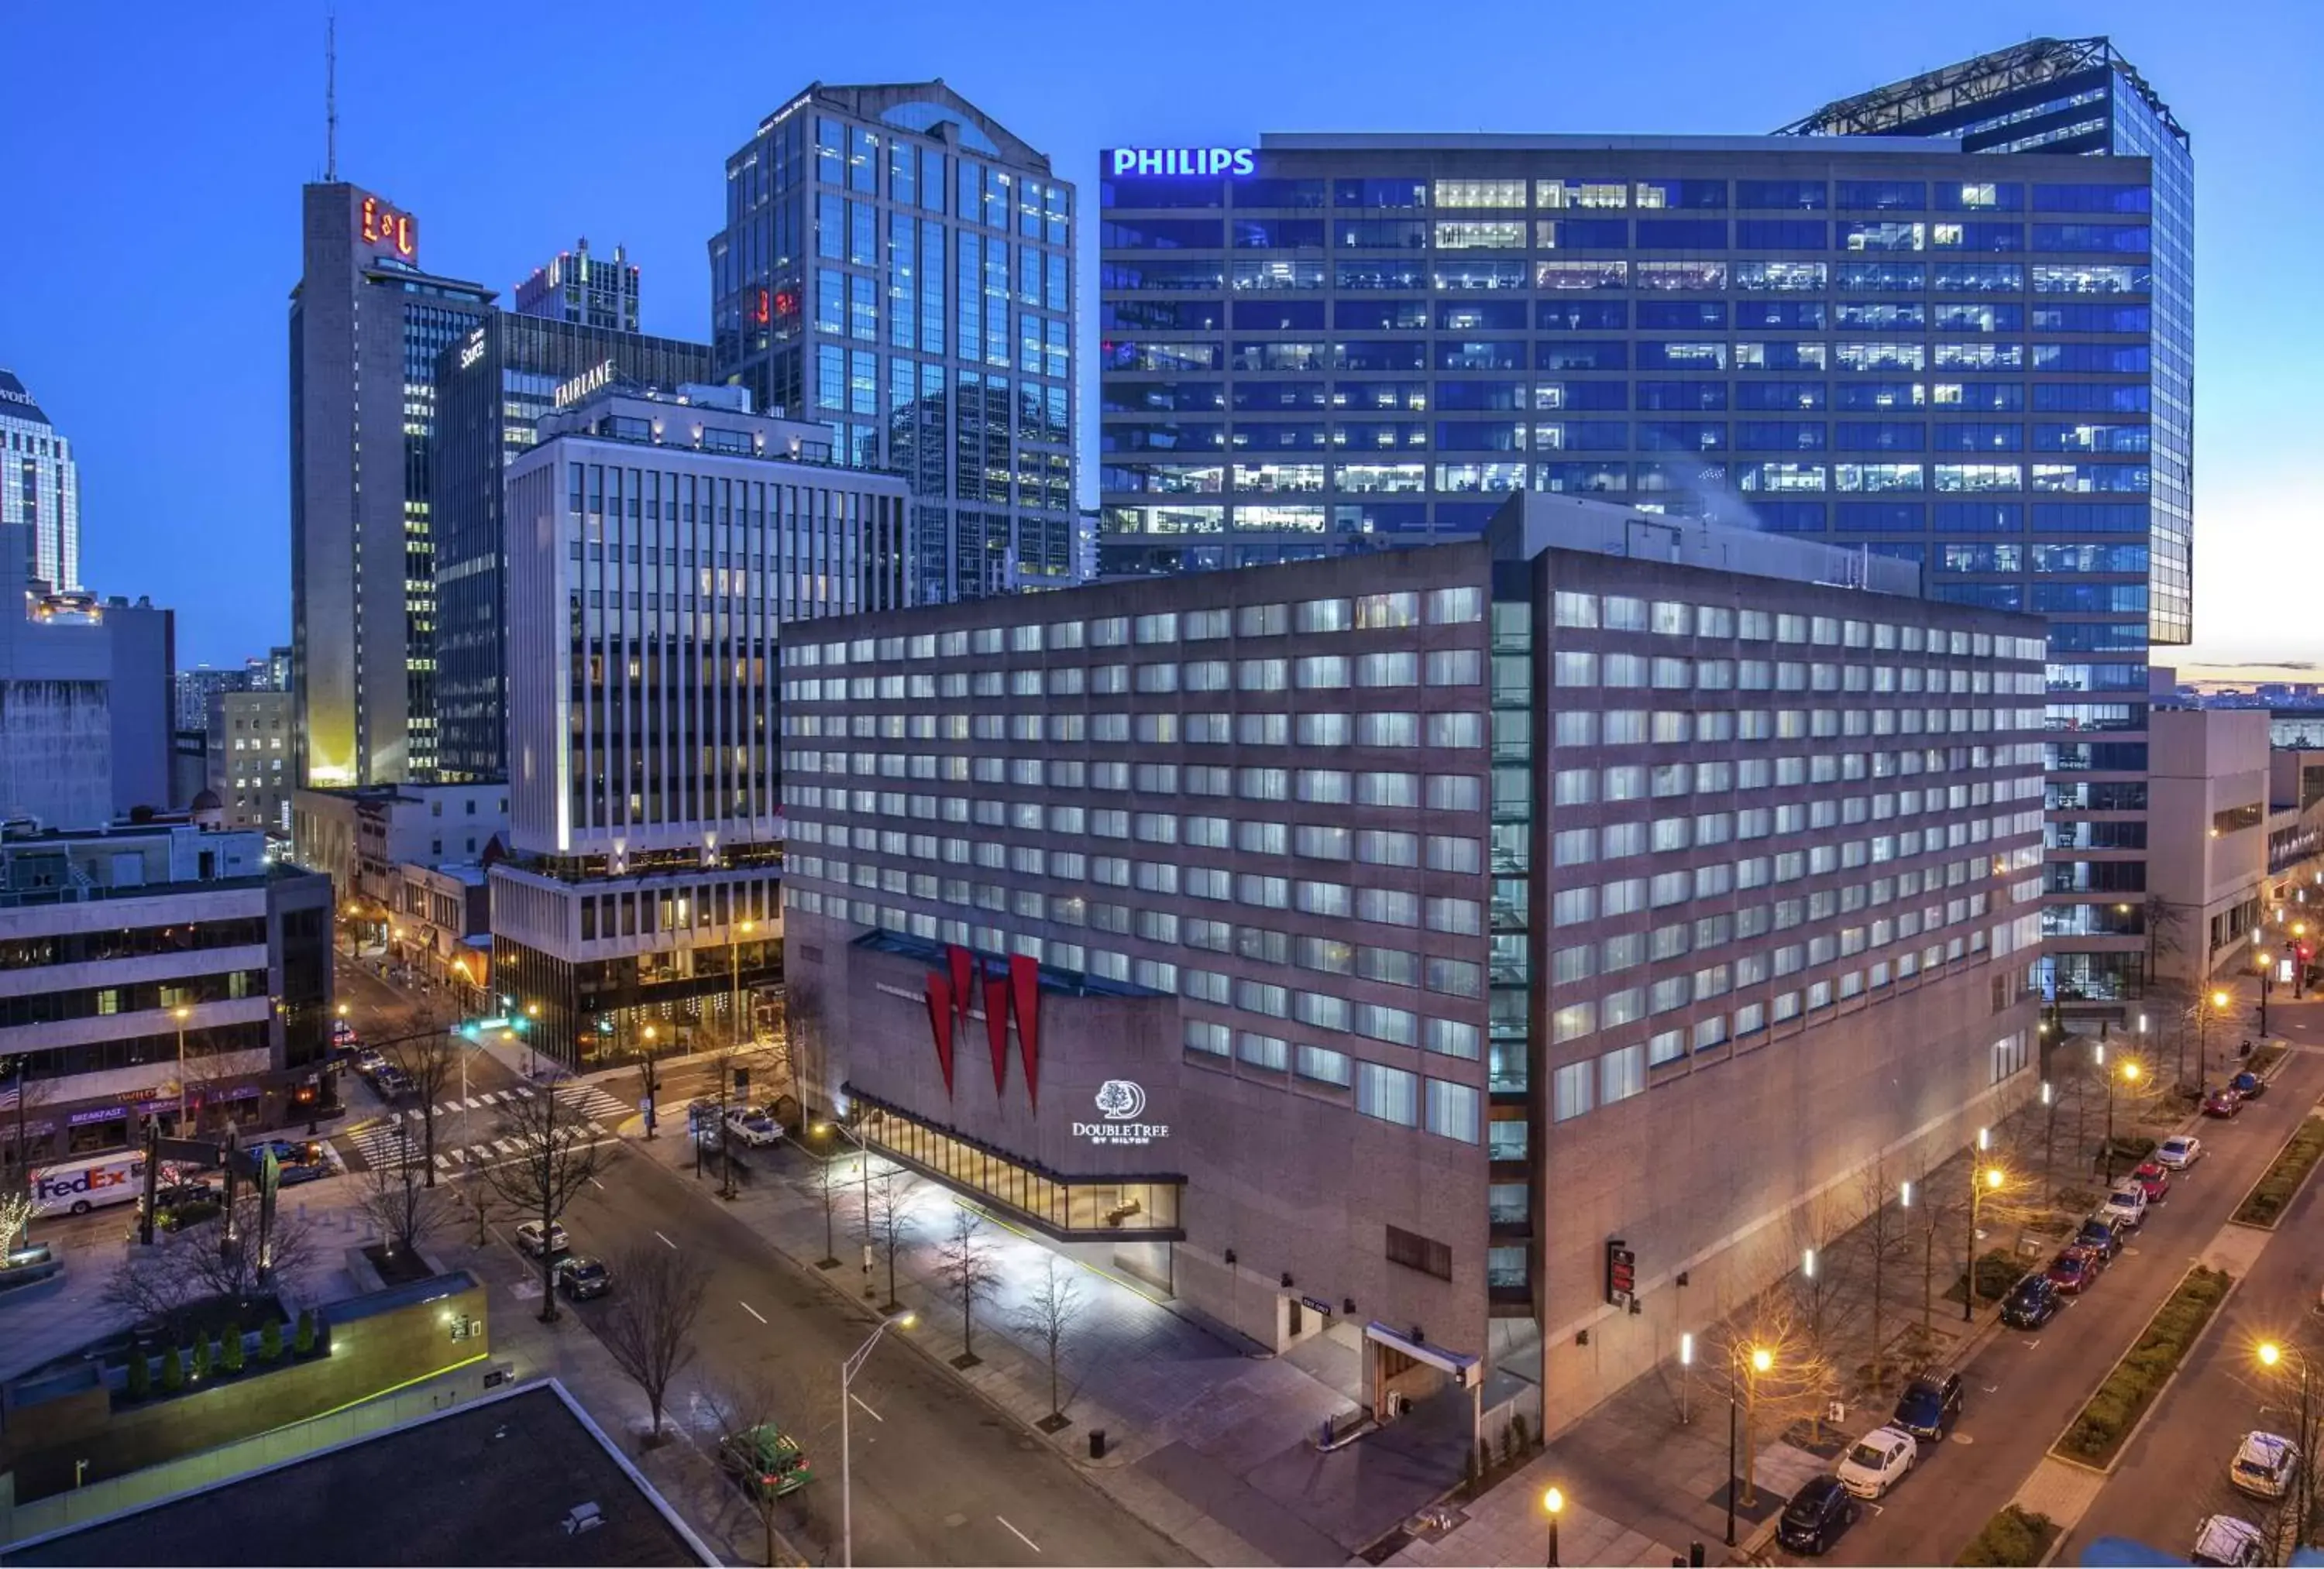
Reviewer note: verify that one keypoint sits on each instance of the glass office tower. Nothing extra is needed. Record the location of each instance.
(898, 266)
(2080, 97)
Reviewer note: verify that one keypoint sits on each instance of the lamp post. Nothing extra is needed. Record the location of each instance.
(2271, 1356)
(1755, 1360)
(1983, 1179)
(2130, 1075)
(847, 1372)
(864, 1151)
(653, 1085)
(2264, 963)
(734, 963)
(1552, 1502)
(1685, 1374)
(2216, 1001)
(181, 1015)
(2299, 951)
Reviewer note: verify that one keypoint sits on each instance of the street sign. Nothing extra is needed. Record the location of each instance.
(1621, 1272)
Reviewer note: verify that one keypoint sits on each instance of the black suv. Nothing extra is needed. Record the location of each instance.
(1816, 1516)
(2100, 1233)
(2032, 1303)
(1929, 1407)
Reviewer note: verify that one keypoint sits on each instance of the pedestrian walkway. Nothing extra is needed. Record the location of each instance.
(1210, 1445)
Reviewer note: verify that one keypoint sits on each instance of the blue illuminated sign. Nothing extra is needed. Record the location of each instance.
(1183, 161)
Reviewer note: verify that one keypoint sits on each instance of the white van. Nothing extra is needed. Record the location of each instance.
(77, 1187)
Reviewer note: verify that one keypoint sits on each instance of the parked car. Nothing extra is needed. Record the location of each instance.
(2248, 1085)
(2179, 1152)
(2073, 1270)
(530, 1237)
(2225, 1540)
(766, 1461)
(581, 1277)
(2034, 1303)
(291, 1174)
(1818, 1513)
(2152, 1180)
(287, 1152)
(2101, 1234)
(341, 1032)
(1877, 1461)
(369, 1063)
(2126, 1203)
(1929, 1406)
(2223, 1103)
(391, 1082)
(755, 1129)
(2265, 1465)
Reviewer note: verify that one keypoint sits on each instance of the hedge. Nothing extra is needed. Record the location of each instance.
(2103, 1425)
(2264, 1205)
(2013, 1536)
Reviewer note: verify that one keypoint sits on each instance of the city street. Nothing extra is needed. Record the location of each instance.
(940, 1477)
(2022, 1389)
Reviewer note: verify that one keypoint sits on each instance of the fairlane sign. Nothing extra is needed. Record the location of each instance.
(1124, 1101)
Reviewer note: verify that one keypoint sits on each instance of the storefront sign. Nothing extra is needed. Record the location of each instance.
(1124, 1101)
(1183, 161)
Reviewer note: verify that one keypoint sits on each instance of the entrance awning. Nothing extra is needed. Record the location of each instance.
(1462, 1366)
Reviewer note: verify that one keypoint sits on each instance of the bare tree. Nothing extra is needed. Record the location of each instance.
(650, 1327)
(230, 1256)
(1820, 1226)
(1883, 1240)
(477, 1202)
(15, 1214)
(888, 1224)
(395, 1196)
(964, 1263)
(1796, 1384)
(2164, 920)
(1047, 1316)
(555, 1157)
(826, 1188)
(1934, 1209)
(741, 1411)
(432, 1061)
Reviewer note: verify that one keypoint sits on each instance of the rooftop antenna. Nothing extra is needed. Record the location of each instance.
(331, 98)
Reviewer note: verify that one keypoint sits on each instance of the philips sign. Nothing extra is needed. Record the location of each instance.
(1183, 161)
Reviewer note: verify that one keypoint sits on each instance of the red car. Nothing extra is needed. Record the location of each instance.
(2223, 1103)
(2072, 1270)
(2154, 1179)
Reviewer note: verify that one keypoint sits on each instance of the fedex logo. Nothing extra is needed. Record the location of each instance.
(1183, 161)
(47, 1188)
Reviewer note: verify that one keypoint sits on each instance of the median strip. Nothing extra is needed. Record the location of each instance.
(2096, 1435)
(2013, 1536)
(2269, 1196)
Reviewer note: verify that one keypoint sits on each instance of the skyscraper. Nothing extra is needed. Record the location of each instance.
(40, 485)
(576, 286)
(898, 265)
(493, 385)
(367, 325)
(2079, 96)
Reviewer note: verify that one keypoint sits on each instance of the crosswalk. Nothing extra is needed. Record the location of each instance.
(466, 1133)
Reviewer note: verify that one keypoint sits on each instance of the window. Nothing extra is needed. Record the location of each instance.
(1621, 1074)
(1451, 1111)
(1322, 1066)
(1569, 1091)
(1390, 1094)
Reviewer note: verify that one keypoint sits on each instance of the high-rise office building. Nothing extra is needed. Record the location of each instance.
(2080, 97)
(898, 266)
(40, 485)
(367, 328)
(1379, 936)
(492, 388)
(578, 287)
(248, 757)
(1948, 355)
(656, 542)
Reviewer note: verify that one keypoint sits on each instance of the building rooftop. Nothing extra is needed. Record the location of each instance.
(1534, 521)
(488, 1483)
(16, 400)
(1971, 82)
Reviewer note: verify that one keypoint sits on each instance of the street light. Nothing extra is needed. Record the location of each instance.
(2264, 963)
(2130, 1072)
(864, 1151)
(2217, 1000)
(2271, 1355)
(1555, 1503)
(1755, 1360)
(847, 1372)
(734, 963)
(180, 1015)
(1980, 1183)
(653, 1084)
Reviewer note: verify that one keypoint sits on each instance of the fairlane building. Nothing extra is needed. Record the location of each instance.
(1361, 952)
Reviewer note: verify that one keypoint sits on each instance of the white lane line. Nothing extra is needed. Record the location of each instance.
(600, 1186)
(876, 1416)
(1018, 1534)
(753, 1312)
(667, 1242)
(471, 1103)
(442, 1164)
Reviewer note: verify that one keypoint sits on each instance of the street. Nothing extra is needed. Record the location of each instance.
(2022, 1389)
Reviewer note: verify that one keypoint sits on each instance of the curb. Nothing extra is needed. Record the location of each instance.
(2312, 1115)
(2234, 1283)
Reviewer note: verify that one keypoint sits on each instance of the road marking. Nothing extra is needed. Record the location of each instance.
(1018, 1534)
(471, 1103)
(442, 1164)
(667, 1242)
(753, 1312)
(600, 1186)
(1989, 1389)
(875, 1416)
(504, 1146)
(2032, 1342)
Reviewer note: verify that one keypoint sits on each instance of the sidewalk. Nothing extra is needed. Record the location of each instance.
(1209, 1446)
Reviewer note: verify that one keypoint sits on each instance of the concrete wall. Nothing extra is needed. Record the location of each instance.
(2200, 762)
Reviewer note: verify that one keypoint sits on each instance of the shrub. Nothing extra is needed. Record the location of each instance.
(141, 1375)
(303, 1342)
(230, 1351)
(269, 1341)
(201, 1364)
(2012, 1537)
(174, 1371)
(1517, 1427)
(2264, 1205)
(2117, 1405)
(1997, 1271)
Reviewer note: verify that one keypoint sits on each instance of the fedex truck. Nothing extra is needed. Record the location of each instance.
(77, 1187)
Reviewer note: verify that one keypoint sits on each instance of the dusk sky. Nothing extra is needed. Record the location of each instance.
(152, 233)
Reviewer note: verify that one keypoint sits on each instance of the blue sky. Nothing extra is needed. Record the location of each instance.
(150, 230)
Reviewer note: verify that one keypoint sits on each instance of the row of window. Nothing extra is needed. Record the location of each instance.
(1135, 192)
(1374, 313)
(1580, 354)
(1442, 1107)
(1122, 232)
(1169, 273)
(1505, 395)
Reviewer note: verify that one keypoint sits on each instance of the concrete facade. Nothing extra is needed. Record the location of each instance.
(2208, 859)
(253, 742)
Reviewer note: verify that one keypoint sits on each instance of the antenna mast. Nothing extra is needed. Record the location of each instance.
(331, 98)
